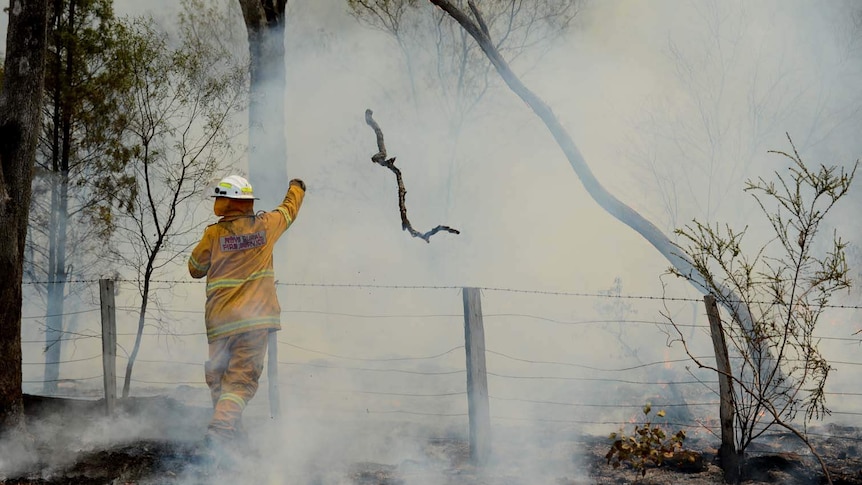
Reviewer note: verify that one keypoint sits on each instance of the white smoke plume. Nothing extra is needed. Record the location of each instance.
(674, 105)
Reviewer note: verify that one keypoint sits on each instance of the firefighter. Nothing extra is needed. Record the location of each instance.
(235, 254)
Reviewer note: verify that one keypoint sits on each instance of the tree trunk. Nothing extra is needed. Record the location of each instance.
(54, 324)
(57, 277)
(20, 117)
(142, 319)
(54, 308)
(52, 342)
(139, 334)
(267, 144)
(61, 148)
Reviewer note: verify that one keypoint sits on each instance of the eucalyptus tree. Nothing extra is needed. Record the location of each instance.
(180, 132)
(20, 106)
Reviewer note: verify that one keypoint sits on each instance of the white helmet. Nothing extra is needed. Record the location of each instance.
(234, 187)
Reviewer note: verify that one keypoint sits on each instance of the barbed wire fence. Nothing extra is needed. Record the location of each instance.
(386, 351)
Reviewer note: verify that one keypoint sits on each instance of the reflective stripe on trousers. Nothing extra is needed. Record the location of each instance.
(232, 372)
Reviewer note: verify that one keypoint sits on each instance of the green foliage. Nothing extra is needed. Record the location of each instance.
(777, 292)
(648, 445)
(81, 152)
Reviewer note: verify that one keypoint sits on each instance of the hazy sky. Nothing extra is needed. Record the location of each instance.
(658, 97)
(673, 104)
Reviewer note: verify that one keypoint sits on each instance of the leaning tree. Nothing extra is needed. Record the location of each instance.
(473, 22)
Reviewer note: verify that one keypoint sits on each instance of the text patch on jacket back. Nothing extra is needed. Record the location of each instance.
(242, 241)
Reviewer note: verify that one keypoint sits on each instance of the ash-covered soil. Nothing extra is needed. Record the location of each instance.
(156, 441)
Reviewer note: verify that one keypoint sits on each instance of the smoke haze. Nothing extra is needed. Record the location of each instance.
(673, 105)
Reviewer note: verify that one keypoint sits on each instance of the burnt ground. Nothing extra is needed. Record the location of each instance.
(70, 443)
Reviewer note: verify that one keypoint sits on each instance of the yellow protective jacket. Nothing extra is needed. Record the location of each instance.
(235, 254)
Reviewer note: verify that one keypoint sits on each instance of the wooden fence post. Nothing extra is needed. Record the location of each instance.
(272, 376)
(109, 343)
(727, 452)
(477, 377)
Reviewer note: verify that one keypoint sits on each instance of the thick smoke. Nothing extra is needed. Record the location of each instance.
(674, 105)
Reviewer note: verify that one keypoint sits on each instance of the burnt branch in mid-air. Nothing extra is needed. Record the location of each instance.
(380, 158)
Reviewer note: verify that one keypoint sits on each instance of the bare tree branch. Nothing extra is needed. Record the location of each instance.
(380, 158)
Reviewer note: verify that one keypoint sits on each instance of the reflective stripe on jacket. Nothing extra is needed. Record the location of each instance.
(235, 254)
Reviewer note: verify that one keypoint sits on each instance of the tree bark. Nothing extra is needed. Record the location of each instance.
(267, 144)
(20, 117)
(139, 333)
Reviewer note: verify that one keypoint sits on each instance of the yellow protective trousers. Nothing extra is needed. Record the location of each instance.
(232, 371)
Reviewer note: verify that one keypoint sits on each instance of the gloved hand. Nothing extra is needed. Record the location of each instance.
(298, 182)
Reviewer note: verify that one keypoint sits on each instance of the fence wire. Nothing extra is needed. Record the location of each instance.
(428, 387)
